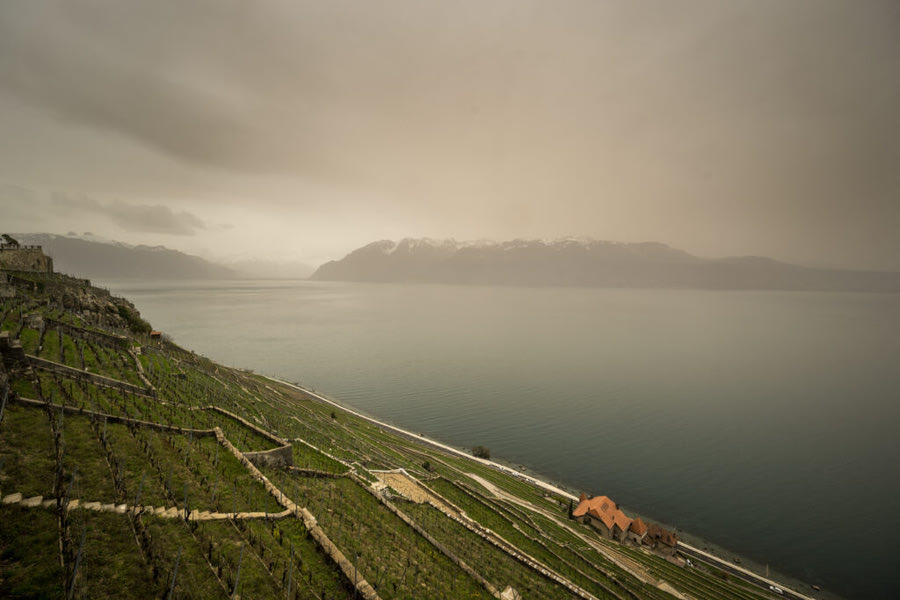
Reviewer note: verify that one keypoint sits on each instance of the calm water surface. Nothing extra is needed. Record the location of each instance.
(766, 422)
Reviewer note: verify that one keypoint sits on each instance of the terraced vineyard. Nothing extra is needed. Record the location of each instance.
(133, 468)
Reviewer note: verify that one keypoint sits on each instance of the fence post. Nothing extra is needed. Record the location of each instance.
(5, 396)
(237, 577)
(71, 483)
(77, 564)
(290, 571)
(137, 499)
(175, 574)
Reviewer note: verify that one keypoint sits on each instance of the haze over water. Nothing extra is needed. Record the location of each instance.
(762, 421)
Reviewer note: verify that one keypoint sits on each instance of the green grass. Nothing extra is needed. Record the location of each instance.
(495, 565)
(27, 452)
(29, 556)
(111, 565)
(29, 338)
(309, 458)
(391, 554)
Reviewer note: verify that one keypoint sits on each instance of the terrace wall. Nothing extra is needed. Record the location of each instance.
(109, 340)
(278, 457)
(72, 372)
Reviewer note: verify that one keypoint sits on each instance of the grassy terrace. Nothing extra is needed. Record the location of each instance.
(391, 555)
(599, 576)
(134, 556)
(494, 564)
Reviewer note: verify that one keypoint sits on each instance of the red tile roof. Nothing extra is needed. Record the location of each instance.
(664, 536)
(604, 509)
(638, 526)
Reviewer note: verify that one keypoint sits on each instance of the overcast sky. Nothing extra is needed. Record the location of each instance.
(306, 129)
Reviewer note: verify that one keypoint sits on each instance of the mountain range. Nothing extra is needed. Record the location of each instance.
(98, 258)
(585, 262)
(103, 259)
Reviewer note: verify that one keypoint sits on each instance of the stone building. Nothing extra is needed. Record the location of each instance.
(637, 531)
(662, 540)
(14, 257)
(605, 515)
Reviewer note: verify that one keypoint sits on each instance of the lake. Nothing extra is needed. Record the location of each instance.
(765, 422)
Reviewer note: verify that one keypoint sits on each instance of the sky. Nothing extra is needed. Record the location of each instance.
(302, 130)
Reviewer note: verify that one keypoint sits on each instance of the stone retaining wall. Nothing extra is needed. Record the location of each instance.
(363, 587)
(259, 430)
(114, 418)
(277, 457)
(134, 352)
(72, 372)
(441, 548)
(117, 342)
(509, 548)
(317, 473)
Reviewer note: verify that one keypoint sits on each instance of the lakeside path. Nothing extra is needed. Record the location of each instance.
(690, 550)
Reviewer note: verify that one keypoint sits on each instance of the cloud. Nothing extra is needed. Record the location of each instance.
(750, 127)
(135, 218)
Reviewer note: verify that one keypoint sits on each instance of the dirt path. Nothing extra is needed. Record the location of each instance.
(406, 485)
(164, 512)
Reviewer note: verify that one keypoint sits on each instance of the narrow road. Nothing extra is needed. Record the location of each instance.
(766, 584)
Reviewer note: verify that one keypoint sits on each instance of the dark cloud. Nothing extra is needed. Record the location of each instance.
(747, 127)
(137, 218)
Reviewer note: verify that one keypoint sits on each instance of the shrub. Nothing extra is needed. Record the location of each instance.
(481, 451)
(133, 320)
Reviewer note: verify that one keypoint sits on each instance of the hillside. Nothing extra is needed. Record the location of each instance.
(133, 468)
(112, 260)
(585, 263)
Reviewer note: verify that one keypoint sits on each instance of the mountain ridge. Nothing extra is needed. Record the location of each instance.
(102, 258)
(584, 262)
(106, 259)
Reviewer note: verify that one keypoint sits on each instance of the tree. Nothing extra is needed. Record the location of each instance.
(481, 452)
(10, 240)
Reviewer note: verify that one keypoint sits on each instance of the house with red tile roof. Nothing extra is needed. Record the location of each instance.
(661, 540)
(637, 531)
(606, 516)
(603, 514)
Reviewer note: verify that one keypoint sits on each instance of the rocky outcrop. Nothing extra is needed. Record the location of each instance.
(99, 307)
